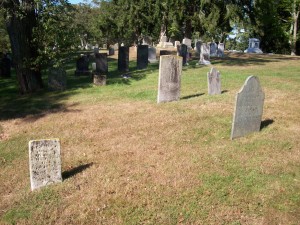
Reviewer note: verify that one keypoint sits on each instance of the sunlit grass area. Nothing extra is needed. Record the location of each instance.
(128, 160)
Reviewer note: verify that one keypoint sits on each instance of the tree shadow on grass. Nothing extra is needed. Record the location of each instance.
(72, 172)
(266, 123)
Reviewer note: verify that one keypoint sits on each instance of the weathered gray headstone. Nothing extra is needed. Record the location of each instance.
(44, 162)
(253, 46)
(205, 54)
(57, 79)
(101, 63)
(99, 80)
(152, 55)
(221, 50)
(248, 108)
(213, 49)
(170, 68)
(214, 82)
(123, 59)
(142, 56)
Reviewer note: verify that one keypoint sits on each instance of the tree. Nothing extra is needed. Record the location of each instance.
(35, 28)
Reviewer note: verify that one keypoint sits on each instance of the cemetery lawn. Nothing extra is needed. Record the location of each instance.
(128, 160)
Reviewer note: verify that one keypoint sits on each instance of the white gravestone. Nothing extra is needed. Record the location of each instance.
(187, 42)
(44, 162)
(170, 68)
(248, 108)
(204, 55)
(177, 43)
(253, 46)
(214, 82)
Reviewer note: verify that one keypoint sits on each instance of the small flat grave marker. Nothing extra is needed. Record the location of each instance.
(248, 108)
(44, 163)
(214, 82)
(170, 68)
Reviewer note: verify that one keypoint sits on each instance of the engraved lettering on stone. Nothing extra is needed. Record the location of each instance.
(249, 108)
(44, 162)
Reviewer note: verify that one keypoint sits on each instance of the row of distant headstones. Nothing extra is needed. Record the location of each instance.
(145, 54)
(44, 155)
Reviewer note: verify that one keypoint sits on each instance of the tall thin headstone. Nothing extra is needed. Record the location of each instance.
(198, 47)
(214, 82)
(44, 162)
(170, 68)
(248, 108)
(221, 50)
(123, 59)
(213, 49)
(142, 56)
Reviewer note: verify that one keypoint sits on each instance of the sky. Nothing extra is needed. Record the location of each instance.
(76, 1)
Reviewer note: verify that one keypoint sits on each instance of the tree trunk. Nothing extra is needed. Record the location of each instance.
(295, 15)
(21, 20)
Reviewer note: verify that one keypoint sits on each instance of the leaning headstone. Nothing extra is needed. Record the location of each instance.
(142, 56)
(101, 63)
(183, 51)
(248, 108)
(57, 79)
(214, 82)
(152, 55)
(44, 162)
(82, 66)
(221, 50)
(204, 55)
(123, 59)
(170, 68)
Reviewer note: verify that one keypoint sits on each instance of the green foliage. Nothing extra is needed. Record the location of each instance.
(4, 38)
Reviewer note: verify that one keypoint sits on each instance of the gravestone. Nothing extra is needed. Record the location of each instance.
(44, 163)
(101, 63)
(170, 68)
(248, 108)
(96, 50)
(82, 66)
(221, 50)
(253, 46)
(213, 49)
(152, 55)
(104, 46)
(198, 47)
(183, 51)
(99, 80)
(187, 42)
(165, 52)
(204, 55)
(147, 41)
(116, 46)
(177, 43)
(111, 50)
(57, 79)
(123, 59)
(93, 66)
(214, 82)
(142, 56)
(5, 67)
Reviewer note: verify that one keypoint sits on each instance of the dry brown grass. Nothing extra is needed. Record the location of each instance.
(151, 164)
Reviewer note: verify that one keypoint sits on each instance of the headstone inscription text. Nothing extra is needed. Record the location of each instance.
(44, 162)
(248, 109)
